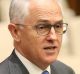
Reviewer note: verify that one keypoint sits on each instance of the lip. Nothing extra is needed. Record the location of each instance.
(50, 49)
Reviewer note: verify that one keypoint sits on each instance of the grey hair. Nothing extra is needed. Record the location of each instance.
(18, 11)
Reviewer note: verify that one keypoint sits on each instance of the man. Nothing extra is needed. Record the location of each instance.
(36, 27)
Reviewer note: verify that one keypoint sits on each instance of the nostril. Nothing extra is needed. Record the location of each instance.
(51, 37)
(50, 41)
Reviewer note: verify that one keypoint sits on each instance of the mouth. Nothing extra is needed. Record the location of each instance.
(50, 49)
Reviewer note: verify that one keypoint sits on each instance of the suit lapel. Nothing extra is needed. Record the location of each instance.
(53, 70)
(16, 66)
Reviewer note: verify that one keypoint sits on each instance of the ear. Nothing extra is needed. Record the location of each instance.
(14, 30)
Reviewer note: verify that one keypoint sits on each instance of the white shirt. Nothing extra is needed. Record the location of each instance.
(32, 68)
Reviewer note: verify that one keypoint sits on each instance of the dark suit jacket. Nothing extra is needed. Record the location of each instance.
(12, 65)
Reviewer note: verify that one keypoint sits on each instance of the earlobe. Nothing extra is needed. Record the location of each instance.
(14, 32)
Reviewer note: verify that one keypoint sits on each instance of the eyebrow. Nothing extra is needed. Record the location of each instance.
(46, 21)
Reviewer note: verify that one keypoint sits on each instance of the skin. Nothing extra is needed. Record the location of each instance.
(29, 43)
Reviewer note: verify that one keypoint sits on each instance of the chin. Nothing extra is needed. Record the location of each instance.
(50, 60)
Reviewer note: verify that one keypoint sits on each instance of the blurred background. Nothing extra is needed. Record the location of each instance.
(70, 51)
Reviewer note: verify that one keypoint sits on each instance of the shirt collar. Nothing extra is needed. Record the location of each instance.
(32, 68)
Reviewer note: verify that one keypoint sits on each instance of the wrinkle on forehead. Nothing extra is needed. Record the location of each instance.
(46, 9)
(45, 5)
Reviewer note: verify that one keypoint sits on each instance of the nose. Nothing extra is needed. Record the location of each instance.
(52, 34)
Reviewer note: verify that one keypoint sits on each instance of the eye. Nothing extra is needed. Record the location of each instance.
(41, 26)
(60, 25)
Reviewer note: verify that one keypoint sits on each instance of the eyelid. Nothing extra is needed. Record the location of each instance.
(43, 24)
(58, 24)
(47, 25)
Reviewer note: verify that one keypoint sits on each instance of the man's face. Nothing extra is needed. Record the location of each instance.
(41, 49)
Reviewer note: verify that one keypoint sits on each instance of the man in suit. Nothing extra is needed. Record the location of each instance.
(37, 28)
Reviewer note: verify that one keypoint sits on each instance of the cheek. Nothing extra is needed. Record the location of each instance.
(60, 40)
(30, 41)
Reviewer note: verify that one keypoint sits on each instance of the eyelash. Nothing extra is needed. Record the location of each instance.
(48, 25)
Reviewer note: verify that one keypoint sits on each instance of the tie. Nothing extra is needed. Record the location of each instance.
(45, 72)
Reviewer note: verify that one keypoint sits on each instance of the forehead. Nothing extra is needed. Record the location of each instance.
(45, 10)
